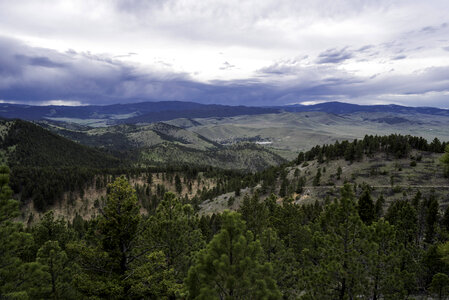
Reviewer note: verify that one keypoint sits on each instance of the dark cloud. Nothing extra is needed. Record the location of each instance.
(29, 74)
(333, 56)
(36, 75)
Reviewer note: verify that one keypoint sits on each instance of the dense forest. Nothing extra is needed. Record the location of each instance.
(348, 246)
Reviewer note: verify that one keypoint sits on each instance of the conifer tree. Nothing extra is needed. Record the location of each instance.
(113, 247)
(366, 207)
(18, 279)
(230, 267)
(445, 161)
(336, 268)
(174, 231)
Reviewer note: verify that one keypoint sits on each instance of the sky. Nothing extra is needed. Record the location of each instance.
(236, 52)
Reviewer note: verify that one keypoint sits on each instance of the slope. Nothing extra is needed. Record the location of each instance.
(25, 144)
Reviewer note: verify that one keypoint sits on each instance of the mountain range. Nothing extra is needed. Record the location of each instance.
(149, 112)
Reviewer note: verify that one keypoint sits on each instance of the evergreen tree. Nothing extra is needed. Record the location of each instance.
(255, 214)
(445, 161)
(339, 171)
(109, 257)
(285, 265)
(431, 218)
(230, 267)
(59, 267)
(335, 266)
(51, 229)
(18, 279)
(174, 231)
(366, 207)
(440, 285)
(379, 207)
(283, 188)
(317, 178)
(178, 184)
(384, 271)
(153, 279)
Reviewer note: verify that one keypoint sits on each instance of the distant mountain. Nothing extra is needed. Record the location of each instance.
(144, 112)
(151, 112)
(339, 108)
(206, 111)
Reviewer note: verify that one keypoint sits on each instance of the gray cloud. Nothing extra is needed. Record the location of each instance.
(36, 75)
(377, 51)
(334, 56)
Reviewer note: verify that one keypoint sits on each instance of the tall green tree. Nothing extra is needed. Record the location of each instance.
(440, 285)
(57, 264)
(335, 266)
(255, 213)
(174, 230)
(284, 262)
(366, 207)
(19, 279)
(231, 266)
(445, 161)
(384, 262)
(109, 255)
(50, 228)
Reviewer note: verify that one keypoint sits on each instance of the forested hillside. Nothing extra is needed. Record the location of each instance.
(365, 219)
(26, 144)
(344, 247)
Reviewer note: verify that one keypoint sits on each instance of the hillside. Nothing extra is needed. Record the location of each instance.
(27, 145)
(244, 156)
(294, 132)
(395, 177)
(162, 144)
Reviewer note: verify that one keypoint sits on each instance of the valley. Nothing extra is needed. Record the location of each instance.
(292, 179)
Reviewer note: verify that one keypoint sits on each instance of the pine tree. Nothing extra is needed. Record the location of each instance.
(57, 265)
(114, 245)
(335, 266)
(379, 207)
(174, 231)
(445, 161)
(384, 262)
(255, 214)
(317, 178)
(18, 279)
(178, 184)
(366, 207)
(339, 171)
(285, 264)
(230, 267)
(440, 285)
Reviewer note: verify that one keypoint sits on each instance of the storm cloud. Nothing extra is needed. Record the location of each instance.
(231, 52)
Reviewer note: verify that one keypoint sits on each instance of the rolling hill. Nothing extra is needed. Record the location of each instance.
(143, 112)
(348, 108)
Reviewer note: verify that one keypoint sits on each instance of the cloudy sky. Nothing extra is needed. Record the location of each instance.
(250, 52)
